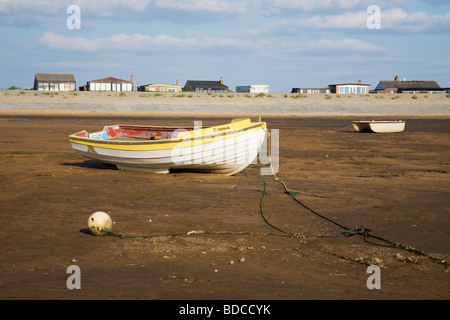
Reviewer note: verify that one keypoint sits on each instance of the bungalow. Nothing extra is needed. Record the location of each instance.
(254, 88)
(310, 90)
(54, 82)
(344, 88)
(410, 86)
(205, 86)
(161, 87)
(109, 84)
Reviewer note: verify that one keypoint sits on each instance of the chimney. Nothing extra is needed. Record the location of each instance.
(396, 78)
(359, 81)
(178, 82)
(221, 80)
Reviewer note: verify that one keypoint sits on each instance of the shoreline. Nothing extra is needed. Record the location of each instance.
(58, 113)
(137, 104)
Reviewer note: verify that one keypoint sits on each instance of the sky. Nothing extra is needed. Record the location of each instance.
(280, 43)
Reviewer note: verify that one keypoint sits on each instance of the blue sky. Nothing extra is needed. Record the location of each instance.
(282, 43)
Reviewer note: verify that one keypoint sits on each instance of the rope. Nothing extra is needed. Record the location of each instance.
(347, 232)
(197, 232)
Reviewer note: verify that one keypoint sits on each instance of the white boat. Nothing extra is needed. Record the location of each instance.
(379, 126)
(223, 149)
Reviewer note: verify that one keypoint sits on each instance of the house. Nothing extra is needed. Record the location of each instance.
(410, 86)
(310, 90)
(205, 86)
(161, 87)
(54, 82)
(344, 88)
(254, 88)
(109, 84)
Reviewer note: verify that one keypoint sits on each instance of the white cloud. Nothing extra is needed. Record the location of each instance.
(225, 6)
(332, 45)
(399, 19)
(308, 5)
(139, 41)
(392, 19)
(346, 44)
(102, 8)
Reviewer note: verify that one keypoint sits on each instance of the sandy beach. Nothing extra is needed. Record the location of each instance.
(274, 103)
(396, 185)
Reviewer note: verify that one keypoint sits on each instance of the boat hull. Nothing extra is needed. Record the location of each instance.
(379, 126)
(216, 150)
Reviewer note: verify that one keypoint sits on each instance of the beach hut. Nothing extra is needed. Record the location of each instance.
(408, 86)
(110, 84)
(161, 87)
(253, 88)
(205, 86)
(310, 90)
(348, 88)
(54, 82)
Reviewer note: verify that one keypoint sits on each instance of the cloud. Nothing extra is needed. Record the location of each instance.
(224, 6)
(109, 8)
(393, 19)
(332, 45)
(138, 41)
(346, 44)
(398, 19)
(308, 5)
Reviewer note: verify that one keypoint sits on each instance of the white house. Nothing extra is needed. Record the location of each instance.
(110, 84)
(254, 88)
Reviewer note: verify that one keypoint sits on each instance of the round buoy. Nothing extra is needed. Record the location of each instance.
(99, 223)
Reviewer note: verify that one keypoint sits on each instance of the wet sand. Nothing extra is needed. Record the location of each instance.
(397, 185)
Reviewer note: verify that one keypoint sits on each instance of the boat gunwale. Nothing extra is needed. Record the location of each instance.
(378, 121)
(75, 138)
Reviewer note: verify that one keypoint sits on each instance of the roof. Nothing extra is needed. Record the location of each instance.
(205, 83)
(110, 80)
(159, 84)
(350, 84)
(411, 84)
(56, 77)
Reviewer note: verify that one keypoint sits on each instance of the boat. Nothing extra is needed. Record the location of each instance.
(223, 149)
(379, 126)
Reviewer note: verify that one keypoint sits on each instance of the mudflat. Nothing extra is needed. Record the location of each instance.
(205, 235)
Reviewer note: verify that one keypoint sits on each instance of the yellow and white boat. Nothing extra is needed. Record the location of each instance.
(223, 149)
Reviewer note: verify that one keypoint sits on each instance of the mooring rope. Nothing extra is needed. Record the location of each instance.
(348, 232)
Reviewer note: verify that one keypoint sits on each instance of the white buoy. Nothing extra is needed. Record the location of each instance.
(99, 223)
